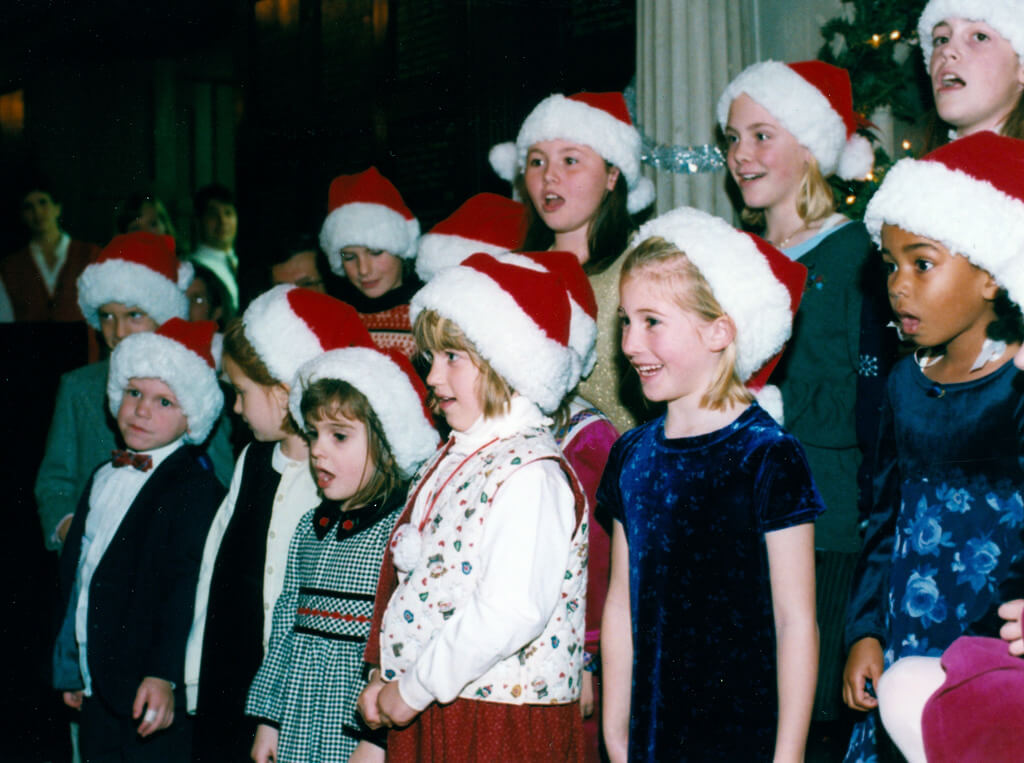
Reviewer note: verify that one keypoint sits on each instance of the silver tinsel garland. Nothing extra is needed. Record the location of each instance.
(683, 160)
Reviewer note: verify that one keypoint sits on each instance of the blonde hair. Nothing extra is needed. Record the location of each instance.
(434, 333)
(814, 201)
(668, 269)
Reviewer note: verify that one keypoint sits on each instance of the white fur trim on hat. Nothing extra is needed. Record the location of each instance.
(561, 118)
(966, 215)
(440, 251)
(411, 436)
(1005, 16)
(281, 338)
(739, 276)
(193, 382)
(582, 328)
(798, 105)
(532, 363)
(133, 285)
(374, 226)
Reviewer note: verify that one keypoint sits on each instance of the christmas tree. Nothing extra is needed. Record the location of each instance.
(876, 42)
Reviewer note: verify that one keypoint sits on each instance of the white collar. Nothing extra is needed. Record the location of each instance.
(522, 414)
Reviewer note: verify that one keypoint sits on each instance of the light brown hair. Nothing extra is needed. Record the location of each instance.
(434, 333)
(240, 350)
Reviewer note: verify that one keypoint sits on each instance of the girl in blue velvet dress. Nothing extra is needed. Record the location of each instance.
(944, 544)
(709, 639)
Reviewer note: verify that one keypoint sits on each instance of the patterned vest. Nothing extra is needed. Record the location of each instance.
(545, 671)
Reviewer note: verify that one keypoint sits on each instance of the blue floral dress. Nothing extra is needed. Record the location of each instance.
(944, 543)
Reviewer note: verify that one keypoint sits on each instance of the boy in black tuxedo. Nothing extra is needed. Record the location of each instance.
(131, 559)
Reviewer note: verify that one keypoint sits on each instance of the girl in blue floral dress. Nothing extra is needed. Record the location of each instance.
(944, 544)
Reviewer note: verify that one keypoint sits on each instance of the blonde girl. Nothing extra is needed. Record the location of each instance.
(480, 642)
(788, 127)
(243, 565)
(709, 640)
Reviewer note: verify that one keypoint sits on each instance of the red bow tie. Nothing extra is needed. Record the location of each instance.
(140, 461)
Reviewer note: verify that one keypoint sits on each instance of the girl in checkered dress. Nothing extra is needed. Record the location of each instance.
(368, 430)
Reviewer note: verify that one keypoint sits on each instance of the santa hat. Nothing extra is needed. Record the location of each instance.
(813, 101)
(1005, 16)
(365, 209)
(969, 196)
(136, 269)
(583, 321)
(516, 317)
(757, 286)
(288, 326)
(598, 120)
(394, 390)
(178, 354)
(486, 222)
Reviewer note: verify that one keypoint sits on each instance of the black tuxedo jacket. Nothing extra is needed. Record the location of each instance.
(143, 589)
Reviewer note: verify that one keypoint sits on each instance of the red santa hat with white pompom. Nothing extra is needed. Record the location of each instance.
(814, 101)
(756, 285)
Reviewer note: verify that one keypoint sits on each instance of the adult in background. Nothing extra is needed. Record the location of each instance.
(37, 283)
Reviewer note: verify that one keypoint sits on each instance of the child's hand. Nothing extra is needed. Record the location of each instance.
(587, 695)
(73, 699)
(367, 752)
(367, 702)
(264, 746)
(864, 662)
(154, 704)
(1012, 630)
(392, 708)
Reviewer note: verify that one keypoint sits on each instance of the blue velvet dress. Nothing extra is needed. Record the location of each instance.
(944, 544)
(695, 511)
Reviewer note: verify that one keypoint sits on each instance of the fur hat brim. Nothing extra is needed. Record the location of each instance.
(533, 364)
(133, 285)
(374, 226)
(968, 216)
(411, 436)
(190, 378)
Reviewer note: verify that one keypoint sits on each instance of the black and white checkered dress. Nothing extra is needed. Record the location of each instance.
(312, 674)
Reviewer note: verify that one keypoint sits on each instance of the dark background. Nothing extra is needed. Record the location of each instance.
(274, 98)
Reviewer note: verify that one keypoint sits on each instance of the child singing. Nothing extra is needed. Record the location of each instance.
(129, 566)
(365, 418)
(480, 646)
(246, 550)
(709, 641)
(974, 54)
(944, 543)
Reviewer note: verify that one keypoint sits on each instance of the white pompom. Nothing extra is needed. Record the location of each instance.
(641, 197)
(405, 547)
(857, 159)
(185, 274)
(503, 160)
(769, 397)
